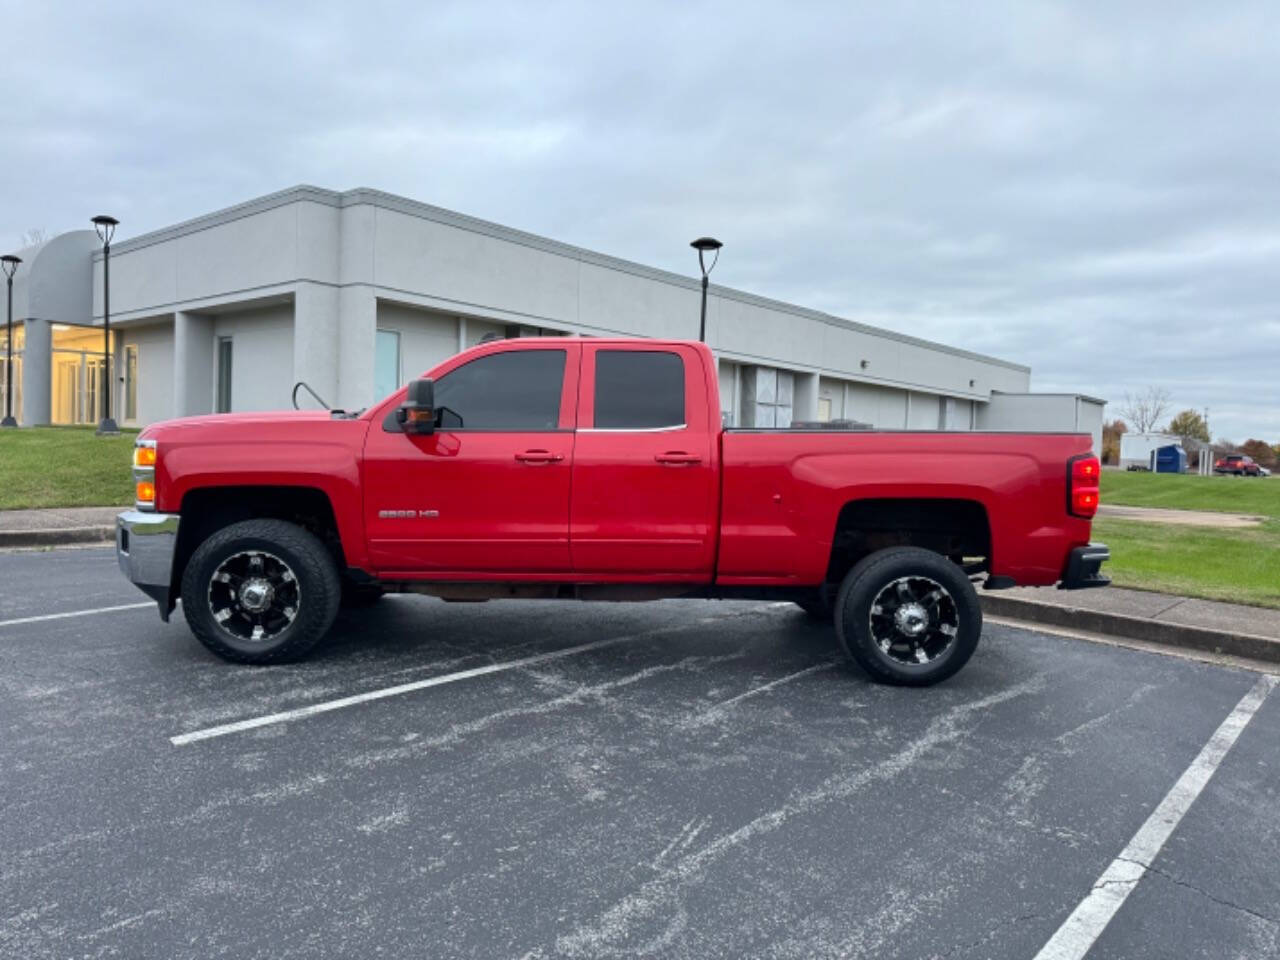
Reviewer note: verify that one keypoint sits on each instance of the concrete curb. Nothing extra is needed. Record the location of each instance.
(62, 536)
(1245, 645)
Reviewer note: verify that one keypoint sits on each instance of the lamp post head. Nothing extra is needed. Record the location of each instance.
(705, 245)
(10, 263)
(106, 227)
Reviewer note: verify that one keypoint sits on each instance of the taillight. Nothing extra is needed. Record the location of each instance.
(144, 474)
(1083, 475)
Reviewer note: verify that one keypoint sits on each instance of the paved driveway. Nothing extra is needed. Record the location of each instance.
(680, 779)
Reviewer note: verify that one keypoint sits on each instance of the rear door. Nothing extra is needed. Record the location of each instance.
(488, 492)
(645, 469)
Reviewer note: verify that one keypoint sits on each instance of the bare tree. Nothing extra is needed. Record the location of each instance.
(1144, 410)
(34, 236)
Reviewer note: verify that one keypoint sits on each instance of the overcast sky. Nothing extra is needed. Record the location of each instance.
(1090, 189)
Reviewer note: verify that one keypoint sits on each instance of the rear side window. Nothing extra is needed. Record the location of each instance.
(639, 389)
(517, 390)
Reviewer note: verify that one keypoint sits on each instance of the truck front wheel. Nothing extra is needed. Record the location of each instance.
(908, 616)
(261, 591)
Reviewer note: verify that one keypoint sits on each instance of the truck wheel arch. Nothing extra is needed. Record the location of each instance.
(206, 510)
(954, 527)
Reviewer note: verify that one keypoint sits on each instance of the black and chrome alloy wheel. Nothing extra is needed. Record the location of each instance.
(913, 620)
(254, 596)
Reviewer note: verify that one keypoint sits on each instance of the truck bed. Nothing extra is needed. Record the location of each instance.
(783, 491)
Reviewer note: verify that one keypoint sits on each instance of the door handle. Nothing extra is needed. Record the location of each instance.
(539, 456)
(678, 458)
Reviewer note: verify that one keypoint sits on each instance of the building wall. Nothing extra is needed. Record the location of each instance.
(336, 267)
(262, 345)
(155, 371)
(882, 407)
(1092, 413)
(1044, 413)
(922, 412)
(426, 337)
(374, 245)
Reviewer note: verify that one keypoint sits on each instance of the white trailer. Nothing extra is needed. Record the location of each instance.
(1138, 449)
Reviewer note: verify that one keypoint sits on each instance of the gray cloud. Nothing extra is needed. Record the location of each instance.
(1086, 188)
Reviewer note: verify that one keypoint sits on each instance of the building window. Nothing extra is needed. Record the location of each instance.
(131, 381)
(767, 397)
(519, 390)
(386, 365)
(639, 390)
(223, 404)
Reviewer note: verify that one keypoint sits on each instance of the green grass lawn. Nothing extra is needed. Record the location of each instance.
(1242, 566)
(1239, 566)
(64, 467)
(1258, 495)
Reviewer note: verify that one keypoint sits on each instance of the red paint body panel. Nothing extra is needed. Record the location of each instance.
(783, 491)
(295, 449)
(645, 501)
(485, 502)
(687, 504)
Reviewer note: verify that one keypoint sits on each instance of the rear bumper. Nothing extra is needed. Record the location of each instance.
(1084, 568)
(145, 545)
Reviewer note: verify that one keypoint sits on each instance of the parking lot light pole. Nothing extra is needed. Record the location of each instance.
(106, 227)
(705, 245)
(10, 264)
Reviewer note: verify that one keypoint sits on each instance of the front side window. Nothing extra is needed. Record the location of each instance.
(517, 390)
(639, 390)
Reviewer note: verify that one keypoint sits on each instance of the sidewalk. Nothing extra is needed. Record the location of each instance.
(42, 528)
(1208, 625)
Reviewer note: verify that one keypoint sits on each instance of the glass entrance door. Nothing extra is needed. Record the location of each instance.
(77, 387)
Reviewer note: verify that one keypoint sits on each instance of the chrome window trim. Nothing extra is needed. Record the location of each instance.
(682, 426)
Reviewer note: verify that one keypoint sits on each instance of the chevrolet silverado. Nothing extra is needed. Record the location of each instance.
(598, 469)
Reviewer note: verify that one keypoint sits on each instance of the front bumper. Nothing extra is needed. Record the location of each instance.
(1084, 566)
(145, 545)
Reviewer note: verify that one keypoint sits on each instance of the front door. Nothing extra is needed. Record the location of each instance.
(488, 492)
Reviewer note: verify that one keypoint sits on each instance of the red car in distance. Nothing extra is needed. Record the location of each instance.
(1237, 465)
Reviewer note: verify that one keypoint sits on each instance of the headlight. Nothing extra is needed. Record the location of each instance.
(144, 475)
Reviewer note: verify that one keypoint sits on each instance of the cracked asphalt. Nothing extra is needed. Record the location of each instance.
(715, 783)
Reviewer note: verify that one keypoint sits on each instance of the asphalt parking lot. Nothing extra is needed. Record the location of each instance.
(698, 780)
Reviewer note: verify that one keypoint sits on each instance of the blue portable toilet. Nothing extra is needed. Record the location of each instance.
(1170, 459)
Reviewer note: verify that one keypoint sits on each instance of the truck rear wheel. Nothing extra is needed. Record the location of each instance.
(908, 616)
(261, 591)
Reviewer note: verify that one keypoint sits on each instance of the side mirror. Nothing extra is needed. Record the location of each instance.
(418, 412)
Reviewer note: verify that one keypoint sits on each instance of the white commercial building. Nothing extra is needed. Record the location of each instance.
(356, 292)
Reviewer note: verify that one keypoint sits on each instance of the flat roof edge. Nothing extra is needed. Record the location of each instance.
(1034, 393)
(378, 198)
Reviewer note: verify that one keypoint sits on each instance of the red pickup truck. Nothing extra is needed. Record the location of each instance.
(598, 469)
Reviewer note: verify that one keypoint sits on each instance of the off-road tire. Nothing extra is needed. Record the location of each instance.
(312, 567)
(876, 573)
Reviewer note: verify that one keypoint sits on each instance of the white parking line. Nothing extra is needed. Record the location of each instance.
(285, 716)
(1086, 923)
(77, 613)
